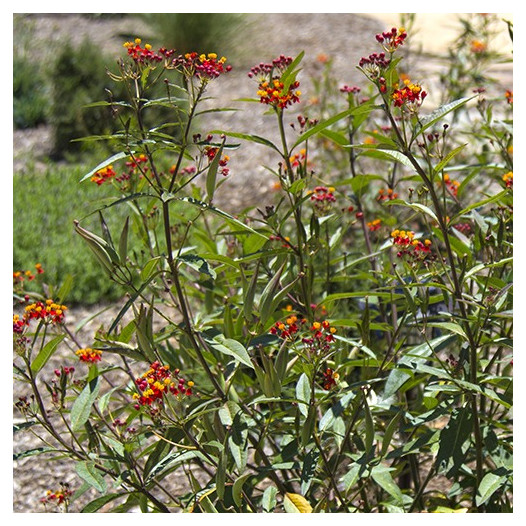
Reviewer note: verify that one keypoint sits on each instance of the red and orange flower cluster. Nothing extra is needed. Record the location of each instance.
(89, 355)
(58, 497)
(272, 90)
(508, 179)
(321, 337)
(103, 175)
(451, 184)
(19, 276)
(405, 239)
(200, 65)
(157, 382)
(386, 195)
(374, 225)
(210, 152)
(145, 54)
(49, 311)
(391, 40)
(330, 377)
(288, 330)
(412, 94)
(323, 197)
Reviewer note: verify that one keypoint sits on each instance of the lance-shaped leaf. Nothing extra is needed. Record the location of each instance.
(89, 473)
(81, 408)
(429, 120)
(45, 354)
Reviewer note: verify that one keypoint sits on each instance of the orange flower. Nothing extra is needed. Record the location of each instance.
(477, 46)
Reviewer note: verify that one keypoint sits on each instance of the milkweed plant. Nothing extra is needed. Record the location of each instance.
(345, 346)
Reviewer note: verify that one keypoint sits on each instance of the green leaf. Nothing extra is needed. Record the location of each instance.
(399, 376)
(211, 175)
(382, 476)
(335, 411)
(325, 124)
(488, 486)
(237, 488)
(198, 263)
(443, 163)
(478, 204)
(369, 426)
(87, 471)
(45, 354)
(308, 469)
(150, 269)
(170, 462)
(232, 221)
(268, 500)
(23, 425)
(429, 120)
(452, 438)
(248, 137)
(388, 155)
(65, 289)
(303, 394)
(231, 348)
(32, 452)
(96, 504)
(450, 327)
(81, 408)
(123, 241)
(389, 432)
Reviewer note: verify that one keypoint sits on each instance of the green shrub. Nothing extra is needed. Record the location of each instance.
(30, 94)
(79, 78)
(197, 31)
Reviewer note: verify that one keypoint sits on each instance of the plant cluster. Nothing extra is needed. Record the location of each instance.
(345, 347)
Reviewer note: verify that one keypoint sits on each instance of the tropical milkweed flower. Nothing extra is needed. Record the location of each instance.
(18, 324)
(210, 152)
(47, 311)
(144, 54)
(451, 184)
(508, 179)
(411, 94)
(323, 198)
(374, 225)
(157, 382)
(203, 66)
(58, 497)
(321, 337)
(409, 245)
(288, 329)
(509, 96)
(386, 194)
(103, 175)
(330, 378)
(391, 40)
(478, 47)
(89, 355)
(271, 89)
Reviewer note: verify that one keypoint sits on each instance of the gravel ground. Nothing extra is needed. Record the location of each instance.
(343, 37)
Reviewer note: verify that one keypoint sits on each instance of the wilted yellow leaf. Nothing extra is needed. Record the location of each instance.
(295, 503)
